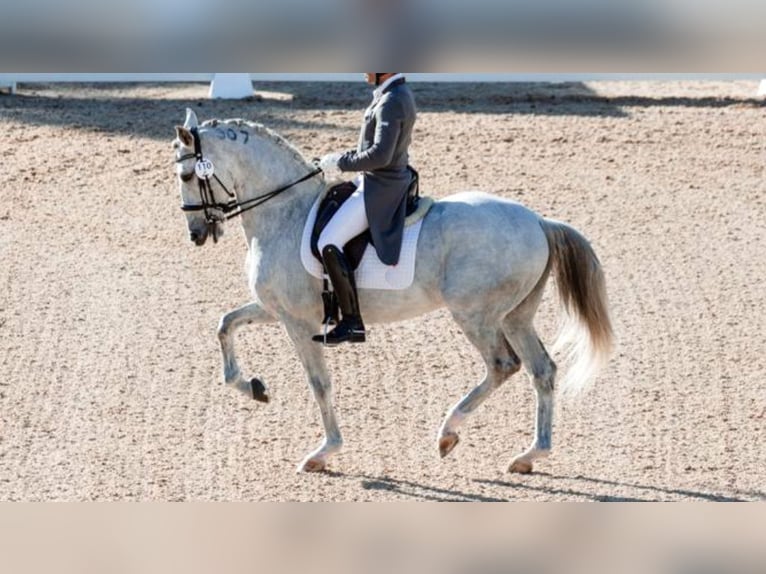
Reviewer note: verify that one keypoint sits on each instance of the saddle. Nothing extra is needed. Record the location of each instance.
(335, 197)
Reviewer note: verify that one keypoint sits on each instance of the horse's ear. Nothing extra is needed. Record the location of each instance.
(191, 119)
(184, 136)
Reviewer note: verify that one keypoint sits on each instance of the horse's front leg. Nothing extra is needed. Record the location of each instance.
(312, 357)
(246, 315)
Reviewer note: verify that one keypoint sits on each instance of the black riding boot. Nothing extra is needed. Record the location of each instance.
(350, 329)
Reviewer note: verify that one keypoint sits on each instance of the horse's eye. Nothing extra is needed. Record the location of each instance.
(186, 177)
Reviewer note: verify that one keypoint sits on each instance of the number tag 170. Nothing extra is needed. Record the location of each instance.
(204, 168)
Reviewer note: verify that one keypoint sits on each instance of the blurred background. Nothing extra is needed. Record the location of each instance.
(403, 538)
(428, 35)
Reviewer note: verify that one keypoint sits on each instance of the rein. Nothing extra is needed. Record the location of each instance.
(233, 208)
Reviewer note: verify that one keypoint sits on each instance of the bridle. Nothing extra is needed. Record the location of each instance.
(216, 212)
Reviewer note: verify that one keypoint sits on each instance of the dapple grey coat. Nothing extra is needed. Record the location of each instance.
(486, 259)
(382, 156)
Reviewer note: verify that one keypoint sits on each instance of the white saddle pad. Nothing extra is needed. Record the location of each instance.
(372, 273)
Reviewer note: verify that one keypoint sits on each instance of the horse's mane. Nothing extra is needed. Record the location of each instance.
(259, 130)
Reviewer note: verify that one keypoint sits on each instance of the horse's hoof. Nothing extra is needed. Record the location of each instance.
(447, 443)
(312, 465)
(258, 390)
(520, 466)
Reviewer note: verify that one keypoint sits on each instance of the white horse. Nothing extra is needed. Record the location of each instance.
(486, 259)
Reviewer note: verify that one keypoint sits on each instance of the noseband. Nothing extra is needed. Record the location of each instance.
(203, 169)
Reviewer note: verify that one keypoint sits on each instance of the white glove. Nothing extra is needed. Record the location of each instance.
(329, 165)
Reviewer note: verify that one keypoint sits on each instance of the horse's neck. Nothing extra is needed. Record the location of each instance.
(282, 217)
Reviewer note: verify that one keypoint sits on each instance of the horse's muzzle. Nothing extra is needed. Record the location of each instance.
(199, 234)
(198, 237)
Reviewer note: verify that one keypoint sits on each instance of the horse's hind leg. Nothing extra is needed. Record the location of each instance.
(542, 371)
(501, 362)
(248, 314)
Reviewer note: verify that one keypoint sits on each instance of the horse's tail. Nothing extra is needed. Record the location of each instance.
(586, 331)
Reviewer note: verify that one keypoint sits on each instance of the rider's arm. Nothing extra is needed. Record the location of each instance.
(388, 126)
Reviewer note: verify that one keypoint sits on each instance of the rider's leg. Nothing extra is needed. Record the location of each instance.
(351, 328)
(347, 223)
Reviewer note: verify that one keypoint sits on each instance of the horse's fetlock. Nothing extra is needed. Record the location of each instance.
(231, 376)
(334, 445)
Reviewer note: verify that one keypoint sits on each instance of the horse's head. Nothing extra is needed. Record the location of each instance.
(231, 168)
(203, 203)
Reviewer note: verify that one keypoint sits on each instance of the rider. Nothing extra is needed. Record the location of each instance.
(379, 203)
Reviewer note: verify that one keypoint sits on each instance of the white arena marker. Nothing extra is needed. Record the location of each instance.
(231, 86)
(762, 89)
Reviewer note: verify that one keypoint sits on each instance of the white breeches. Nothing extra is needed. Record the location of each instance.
(348, 222)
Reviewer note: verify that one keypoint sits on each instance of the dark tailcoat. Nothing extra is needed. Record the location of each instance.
(382, 156)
